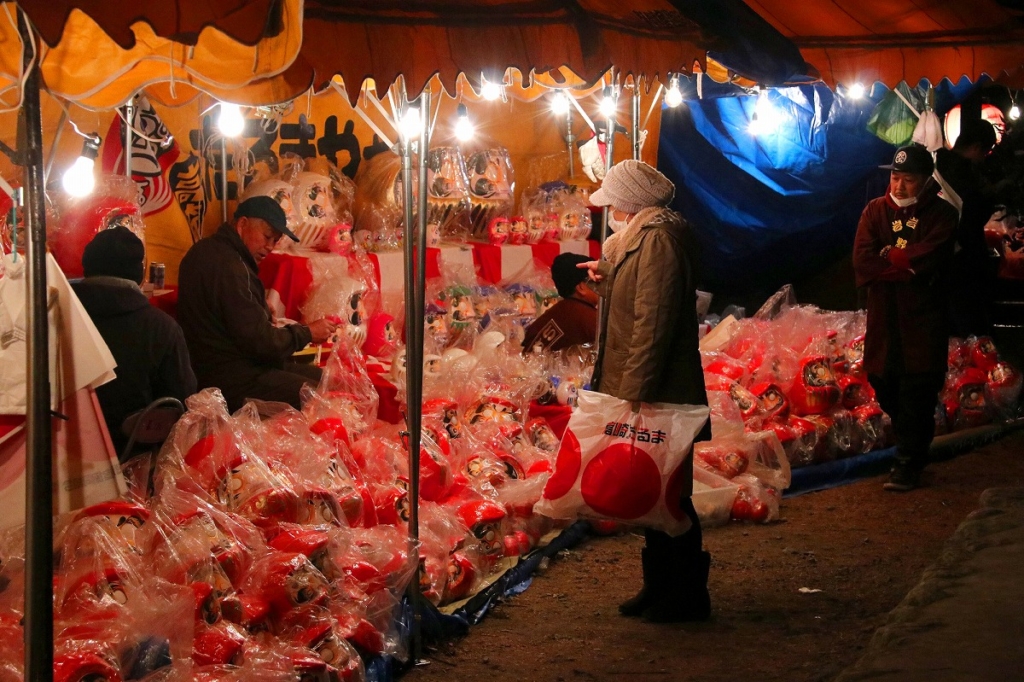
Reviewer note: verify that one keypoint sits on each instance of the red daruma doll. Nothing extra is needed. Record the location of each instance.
(113, 204)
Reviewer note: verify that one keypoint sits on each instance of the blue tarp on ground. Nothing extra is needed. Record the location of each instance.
(843, 471)
(772, 208)
(436, 626)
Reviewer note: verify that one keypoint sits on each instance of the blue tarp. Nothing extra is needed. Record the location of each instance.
(772, 208)
(843, 471)
(437, 627)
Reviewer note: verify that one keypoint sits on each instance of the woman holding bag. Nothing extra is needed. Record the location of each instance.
(648, 353)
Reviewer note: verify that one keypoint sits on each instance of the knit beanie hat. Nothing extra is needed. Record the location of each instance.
(632, 186)
(116, 252)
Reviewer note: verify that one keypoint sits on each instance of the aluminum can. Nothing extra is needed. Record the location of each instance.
(156, 275)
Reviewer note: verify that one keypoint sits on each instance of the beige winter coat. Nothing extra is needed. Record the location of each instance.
(649, 334)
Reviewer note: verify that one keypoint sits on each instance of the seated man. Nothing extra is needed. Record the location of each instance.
(222, 309)
(152, 359)
(573, 320)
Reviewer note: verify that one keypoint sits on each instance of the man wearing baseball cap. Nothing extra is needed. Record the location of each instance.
(648, 354)
(232, 339)
(902, 255)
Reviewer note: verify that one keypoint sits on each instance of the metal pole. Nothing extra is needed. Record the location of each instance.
(38, 451)
(635, 116)
(608, 163)
(413, 360)
(570, 139)
(224, 178)
(129, 115)
(416, 401)
(419, 299)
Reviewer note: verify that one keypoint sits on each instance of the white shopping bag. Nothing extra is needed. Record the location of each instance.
(85, 468)
(631, 467)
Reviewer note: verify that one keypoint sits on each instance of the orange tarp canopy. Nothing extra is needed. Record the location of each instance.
(248, 51)
(851, 41)
(380, 39)
(100, 57)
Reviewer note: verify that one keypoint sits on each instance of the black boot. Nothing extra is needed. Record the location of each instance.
(687, 598)
(636, 605)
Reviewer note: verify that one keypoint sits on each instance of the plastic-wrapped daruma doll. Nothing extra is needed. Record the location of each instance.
(815, 390)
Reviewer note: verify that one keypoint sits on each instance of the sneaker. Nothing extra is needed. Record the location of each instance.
(902, 479)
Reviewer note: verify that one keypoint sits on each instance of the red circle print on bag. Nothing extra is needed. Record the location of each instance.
(567, 467)
(622, 481)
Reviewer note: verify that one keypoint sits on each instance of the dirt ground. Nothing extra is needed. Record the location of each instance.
(862, 547)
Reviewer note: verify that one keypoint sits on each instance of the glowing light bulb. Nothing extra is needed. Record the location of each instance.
(560, 103)
(673, 96)
(608, 104)
(1014, 112)
(766, 118)
(463, 126)
(490, 91)
(230, 122)
(409, 123)
(856, 91)
(79, 179)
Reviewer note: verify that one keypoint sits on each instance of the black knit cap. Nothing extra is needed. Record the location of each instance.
(565, 273)
(268, 210)
(116, 252)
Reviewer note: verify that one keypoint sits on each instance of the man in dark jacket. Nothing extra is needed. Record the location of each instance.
(648, 353)
(903, 253)
(958, 171)
(148, 346)
(573, 320)
(222, 309)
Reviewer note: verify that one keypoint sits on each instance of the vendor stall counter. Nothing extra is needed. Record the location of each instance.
(287, 275)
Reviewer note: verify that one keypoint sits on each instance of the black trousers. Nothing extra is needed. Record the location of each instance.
(278, 385)
(675, 557)
(910, 400)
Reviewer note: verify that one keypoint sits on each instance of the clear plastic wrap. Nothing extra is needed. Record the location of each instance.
(448, 204)
(491, 188)
(1002, 392)
(964, 396)
(113, 203)
(313, 200)
(345, 392)
(754, 501)
(337, 295)
(377, 206)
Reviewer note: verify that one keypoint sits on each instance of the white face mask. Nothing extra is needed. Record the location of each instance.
(616, 225)
(902, 203)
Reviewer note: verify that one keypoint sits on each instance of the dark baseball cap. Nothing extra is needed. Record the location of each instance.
(268, 210)
(912, 159)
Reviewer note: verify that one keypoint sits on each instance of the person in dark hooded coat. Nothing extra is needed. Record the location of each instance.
(147, 344)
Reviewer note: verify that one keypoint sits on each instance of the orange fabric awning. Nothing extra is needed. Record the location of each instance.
(85, 64)
(244, 21)
(863, 41)
(361, 39)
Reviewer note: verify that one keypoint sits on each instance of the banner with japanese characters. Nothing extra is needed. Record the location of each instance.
(178, 158)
